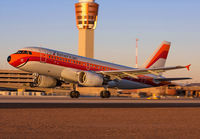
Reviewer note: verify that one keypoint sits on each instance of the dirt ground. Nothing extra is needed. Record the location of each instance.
(98, 123)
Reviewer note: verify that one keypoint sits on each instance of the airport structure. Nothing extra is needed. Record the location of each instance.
(15, 77)
(86, 21)
(20, 81)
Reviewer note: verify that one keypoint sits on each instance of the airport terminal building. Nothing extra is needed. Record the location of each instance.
(16, 82)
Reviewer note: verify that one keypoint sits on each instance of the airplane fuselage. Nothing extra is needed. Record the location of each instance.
(65, 66)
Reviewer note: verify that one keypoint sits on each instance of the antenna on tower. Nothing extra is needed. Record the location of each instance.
(136, 54)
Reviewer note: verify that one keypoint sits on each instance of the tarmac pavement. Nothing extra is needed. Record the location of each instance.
(114, 118)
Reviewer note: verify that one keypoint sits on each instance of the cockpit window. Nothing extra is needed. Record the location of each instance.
(24, 52)
(19, 52)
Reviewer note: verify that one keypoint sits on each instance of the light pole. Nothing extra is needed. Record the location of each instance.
(136, 60)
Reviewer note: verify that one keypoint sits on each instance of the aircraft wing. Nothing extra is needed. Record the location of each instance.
(119, 74)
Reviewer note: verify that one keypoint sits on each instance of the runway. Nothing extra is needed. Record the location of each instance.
(92, 102)
(63, 117)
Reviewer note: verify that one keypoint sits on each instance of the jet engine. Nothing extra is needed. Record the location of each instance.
(44, 81)
(90, 79)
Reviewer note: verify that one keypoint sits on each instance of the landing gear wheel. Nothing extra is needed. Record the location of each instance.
(74, 94)
(105, 94)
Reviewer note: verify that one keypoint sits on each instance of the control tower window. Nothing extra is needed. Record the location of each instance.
(90, 17)
(79, 17)
(91, 22)
(78, 6)
(92, 12)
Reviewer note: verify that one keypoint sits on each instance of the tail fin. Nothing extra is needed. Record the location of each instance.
(159, 56)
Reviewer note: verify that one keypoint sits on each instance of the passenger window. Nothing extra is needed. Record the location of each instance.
(30, 53)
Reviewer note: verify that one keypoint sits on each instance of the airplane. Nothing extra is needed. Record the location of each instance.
(52, 67)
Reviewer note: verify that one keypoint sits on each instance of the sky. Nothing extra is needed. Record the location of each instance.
(51, 24)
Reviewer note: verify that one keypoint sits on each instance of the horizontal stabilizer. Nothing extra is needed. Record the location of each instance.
(171, 79)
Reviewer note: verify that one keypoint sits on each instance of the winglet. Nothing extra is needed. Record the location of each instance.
(188, 67)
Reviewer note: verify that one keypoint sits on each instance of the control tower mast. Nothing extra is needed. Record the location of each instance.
(86, 20)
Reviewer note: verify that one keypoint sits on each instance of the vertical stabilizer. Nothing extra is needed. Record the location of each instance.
(159, 57)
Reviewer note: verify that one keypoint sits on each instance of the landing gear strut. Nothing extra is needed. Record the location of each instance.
(74, 93)
(105, 94)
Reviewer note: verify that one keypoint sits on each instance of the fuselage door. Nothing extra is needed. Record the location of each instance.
(43, 57)
(87, 66)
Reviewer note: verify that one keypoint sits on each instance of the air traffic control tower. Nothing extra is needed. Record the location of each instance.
(86, 21)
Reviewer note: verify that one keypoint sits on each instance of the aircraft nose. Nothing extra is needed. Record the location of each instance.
(9, 58)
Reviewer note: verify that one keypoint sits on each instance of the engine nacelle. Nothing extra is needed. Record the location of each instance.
(44, 81)
(70, 75)
(90, 79)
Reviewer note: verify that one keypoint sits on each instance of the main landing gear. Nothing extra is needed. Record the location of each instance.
(105, 94)
(74, 93)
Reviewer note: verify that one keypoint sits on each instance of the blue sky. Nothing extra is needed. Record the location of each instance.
(51, 24)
